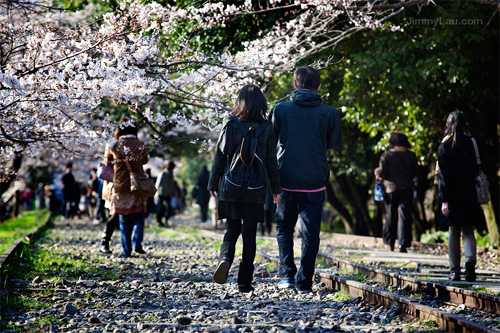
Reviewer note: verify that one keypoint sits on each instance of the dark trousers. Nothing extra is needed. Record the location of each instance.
(248, 231)
(163, 207)
(269, 215)
(398, 206)
(309, 205)
(204, 211)
(67, 203)
(111, 224)
(100, 210)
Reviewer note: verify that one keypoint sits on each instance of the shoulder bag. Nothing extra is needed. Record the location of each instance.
(483, 196)
(139, 185)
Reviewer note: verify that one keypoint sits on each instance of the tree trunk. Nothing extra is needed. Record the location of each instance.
(357, 198)
(345, 216)
(8, 180)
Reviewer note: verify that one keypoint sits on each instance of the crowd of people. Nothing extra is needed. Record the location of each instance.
(292, 143)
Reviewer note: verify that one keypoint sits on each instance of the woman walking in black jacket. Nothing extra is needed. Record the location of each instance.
(457, 193)
(398, 169)
(242, 217)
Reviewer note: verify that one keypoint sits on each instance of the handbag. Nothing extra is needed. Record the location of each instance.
(140, 185)
(174, 202)
(483, 196)
(107, 191)
(379, 190)
(105, 172)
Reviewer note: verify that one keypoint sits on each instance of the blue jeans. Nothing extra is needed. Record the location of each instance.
(132, 231)
(309, 206)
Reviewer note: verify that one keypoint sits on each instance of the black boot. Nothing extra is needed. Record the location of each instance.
(112, 223)
(470, 271)
(226, 257)
(105, 242)
(245, 277)
(104, 247)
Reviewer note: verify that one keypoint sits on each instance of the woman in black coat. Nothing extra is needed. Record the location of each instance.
(242, 216)
(457, 193)
(202, 195)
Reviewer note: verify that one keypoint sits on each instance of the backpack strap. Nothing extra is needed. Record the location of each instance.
(478, 159)
(124, 157)
(242, 127)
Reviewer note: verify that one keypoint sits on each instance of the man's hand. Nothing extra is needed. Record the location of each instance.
(444, 209)
(276, 197)
(213, 194)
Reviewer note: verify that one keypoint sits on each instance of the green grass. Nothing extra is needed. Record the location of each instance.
(423, 325)
(485, 290)
(23, 302)
(360, 277)
(434, 237)
(14, 228)
(340, 296)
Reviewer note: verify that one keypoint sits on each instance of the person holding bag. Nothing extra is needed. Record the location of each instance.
(242, 216)
(398, 170)
(127, 155)
(457, 171)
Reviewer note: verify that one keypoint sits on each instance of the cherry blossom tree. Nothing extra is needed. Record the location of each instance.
(57, 67)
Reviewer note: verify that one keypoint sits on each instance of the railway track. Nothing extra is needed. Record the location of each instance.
(168, 290)
(416, 282)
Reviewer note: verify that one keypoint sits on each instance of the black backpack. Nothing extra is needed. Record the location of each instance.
(245, 177)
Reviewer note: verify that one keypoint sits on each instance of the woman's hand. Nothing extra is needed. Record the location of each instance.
(213, 194)
(276, 197)
(444, 209)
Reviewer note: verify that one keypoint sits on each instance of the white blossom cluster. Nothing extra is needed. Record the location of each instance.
(55, 72)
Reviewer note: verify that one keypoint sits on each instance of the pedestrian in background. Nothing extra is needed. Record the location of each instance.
(269, 214)
(457, 192)
(151, 207)
(167, 188)
(398, 169)
(202, 196)
(129, 206)
(96, 193)
(68, 191)
(242, 217)
(304, 129)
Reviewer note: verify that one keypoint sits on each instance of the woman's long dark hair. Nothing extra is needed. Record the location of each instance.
(250, 104)
(457, 127)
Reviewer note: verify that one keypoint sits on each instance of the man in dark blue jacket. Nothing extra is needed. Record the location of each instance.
(304, 129)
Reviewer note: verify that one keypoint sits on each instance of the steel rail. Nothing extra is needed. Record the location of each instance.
(472, 299)
(409, 306)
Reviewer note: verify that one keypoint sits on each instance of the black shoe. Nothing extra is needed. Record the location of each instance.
(454, 276)
(104, 249)
(245, 288)
(140, 251)
(470, 271)
(220, 275)
(403, 249)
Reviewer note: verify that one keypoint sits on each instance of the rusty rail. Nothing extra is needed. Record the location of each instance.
(409, 306)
